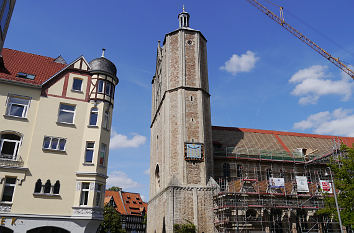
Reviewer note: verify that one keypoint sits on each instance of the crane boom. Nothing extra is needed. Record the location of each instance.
(303, 38)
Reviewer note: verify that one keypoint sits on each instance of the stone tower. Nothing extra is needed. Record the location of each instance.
(181, 149)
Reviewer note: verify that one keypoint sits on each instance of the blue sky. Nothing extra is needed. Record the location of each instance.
(260, 75)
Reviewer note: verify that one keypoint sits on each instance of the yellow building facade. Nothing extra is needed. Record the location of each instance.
(55, 121)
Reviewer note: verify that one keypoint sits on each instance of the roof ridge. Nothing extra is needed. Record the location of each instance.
(286, 133)
(31, 53)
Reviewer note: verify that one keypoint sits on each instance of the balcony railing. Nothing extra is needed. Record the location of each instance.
(7, 162)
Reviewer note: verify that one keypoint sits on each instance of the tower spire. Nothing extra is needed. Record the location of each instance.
(183, 18)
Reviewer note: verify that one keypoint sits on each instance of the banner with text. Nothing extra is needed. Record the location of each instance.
(326, 186)
(302, 185)
(276, 182)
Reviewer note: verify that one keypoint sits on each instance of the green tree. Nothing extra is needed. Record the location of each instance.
(343, 175)
(111, 221)
(185, 228)
(115, 188)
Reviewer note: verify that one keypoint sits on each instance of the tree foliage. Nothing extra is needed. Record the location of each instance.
(185, 228)
(111, 221)
(343, 175)
(115, 188)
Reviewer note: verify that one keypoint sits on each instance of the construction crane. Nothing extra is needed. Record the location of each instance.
(280, 20)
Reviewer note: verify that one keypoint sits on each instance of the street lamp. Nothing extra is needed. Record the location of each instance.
(335, 198)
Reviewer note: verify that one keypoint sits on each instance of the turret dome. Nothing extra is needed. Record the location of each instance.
(104, 65)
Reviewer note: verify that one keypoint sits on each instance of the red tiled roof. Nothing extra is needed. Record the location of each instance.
(131, 204)
(346, 140)
(117, 199)
(17, 61)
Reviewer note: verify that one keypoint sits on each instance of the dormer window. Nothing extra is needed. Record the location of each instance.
(25, 75)
(302, 151)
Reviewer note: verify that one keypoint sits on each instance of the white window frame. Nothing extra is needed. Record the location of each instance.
(93, 110)
(82, 81)
(50, 143)
(64, 110)
(103, 86)
(16, 149)
(93, 151)
(103, 149)
(98, 194)
(82, 193)
(25, 106)
(9, 185)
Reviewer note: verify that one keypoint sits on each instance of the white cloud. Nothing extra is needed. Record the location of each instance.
(338, 122)
(240, 63)
(313, 82)
(122, 141)
(120, 179)
(147, 171)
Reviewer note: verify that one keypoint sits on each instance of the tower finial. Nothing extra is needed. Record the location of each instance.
(183, 19)
(103, 49)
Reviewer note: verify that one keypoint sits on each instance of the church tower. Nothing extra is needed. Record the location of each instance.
(181, 161)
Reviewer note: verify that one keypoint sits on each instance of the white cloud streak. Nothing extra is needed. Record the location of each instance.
(313, 82)
(147, 171)
(121, 179)
(122, 141)
(339, 122)
(240, 63)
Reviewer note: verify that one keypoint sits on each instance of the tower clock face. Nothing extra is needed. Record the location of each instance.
(194, 151)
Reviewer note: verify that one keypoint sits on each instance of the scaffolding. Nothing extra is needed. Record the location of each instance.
(249, 199)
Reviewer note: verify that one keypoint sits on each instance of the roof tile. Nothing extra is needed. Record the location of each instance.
(17, 61)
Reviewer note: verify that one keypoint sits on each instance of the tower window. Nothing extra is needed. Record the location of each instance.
(108, 88)
(93, 116)
(90, 146)
(98, 194)
(191, 98)
(157, 176)
(85, 188)
(77, 84)
(106, 120)
(102, 153)
(100, 86)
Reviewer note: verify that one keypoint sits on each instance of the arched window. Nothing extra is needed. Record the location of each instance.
(93, 116)
(38, 186)
(157, 176)
(56, 187)
(47, 186)
(226, 169)
(9, 145)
